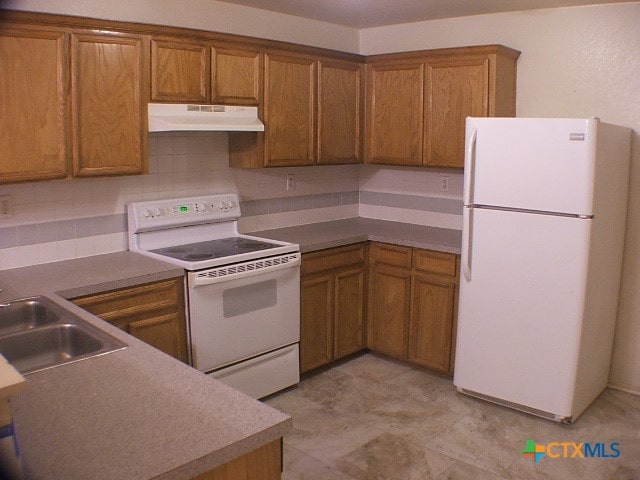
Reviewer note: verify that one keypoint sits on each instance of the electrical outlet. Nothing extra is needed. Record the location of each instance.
(291, 182)
(6, 210)
(444, 183)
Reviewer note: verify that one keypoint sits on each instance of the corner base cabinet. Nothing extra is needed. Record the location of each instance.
(413, 305)
(154, 313)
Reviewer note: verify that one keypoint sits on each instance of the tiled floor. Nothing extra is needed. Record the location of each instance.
(373, 418)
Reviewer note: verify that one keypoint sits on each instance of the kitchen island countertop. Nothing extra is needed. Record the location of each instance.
(131, 414)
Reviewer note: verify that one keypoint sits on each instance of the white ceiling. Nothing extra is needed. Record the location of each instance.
(371, 13)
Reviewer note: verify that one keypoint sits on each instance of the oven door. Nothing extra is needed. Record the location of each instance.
(243, 310)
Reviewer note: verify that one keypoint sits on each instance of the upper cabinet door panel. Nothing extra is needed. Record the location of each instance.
(339, 112)
(395, 113)
(289, 111)
(33, 104)
(236, 76)
(179, 71)
(455, 90)
(110, 75)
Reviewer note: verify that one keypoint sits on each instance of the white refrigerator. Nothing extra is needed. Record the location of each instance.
(545, 203)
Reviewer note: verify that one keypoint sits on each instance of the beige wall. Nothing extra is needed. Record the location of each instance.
(581, 61)
(205, 15)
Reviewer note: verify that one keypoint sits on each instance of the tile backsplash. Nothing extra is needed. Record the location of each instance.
(71, 218)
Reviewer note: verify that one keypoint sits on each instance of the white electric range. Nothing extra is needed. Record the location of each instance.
(243, 292)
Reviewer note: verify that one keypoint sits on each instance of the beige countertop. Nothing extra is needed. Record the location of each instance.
(131, 414)
(317, 236)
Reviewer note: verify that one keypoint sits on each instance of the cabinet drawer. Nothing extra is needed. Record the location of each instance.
(435, 262)
(391, 255)
(127, 302)
(331, 259)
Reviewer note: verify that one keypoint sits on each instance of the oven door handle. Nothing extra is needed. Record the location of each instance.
(243, 270)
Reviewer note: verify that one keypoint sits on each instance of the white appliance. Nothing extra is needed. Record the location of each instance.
(164, 117)
(543, 233)
(243, 292)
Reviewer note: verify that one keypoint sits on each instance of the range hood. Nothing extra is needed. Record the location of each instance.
(174, 117)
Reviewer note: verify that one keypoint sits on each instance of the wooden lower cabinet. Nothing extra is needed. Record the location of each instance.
(431, 321)
(413, 304)
(154, 313)
(316, 321)
(389, 307)
(263, 463)
(332, 301)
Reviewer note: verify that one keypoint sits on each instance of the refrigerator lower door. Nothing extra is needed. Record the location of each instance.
(520, 314)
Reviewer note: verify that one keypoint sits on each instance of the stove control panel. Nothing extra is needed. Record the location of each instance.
(193, 210)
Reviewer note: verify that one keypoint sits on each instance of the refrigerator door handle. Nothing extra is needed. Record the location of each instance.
(470, 167)
(467, 235)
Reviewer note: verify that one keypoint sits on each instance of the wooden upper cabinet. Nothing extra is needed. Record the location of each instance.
(340, 115)
(34, 142)
(179, 71)
(236, 76)
(289, 111)
(395, 113)
(110, 92)
(417, 102)
(455, 90)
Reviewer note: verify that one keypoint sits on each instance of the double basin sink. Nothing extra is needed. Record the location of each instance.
(36, 334)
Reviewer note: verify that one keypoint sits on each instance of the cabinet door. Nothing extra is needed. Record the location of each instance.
(455, 90)
(389, 310)
(349, 328)
(154, 312)
(109, 75)
(289, 111)
(161, 331)
(339, 112)
(316, 321)
(34, 104)
(263, 463)
(395, 113)
(179, 71)
(430, 334)
(236, 76)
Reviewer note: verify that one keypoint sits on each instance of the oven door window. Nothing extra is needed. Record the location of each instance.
(249, 298)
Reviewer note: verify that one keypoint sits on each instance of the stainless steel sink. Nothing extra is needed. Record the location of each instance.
(36, 333)
(26, 314)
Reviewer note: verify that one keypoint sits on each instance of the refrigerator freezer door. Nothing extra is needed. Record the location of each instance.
(533, 163)
(520, 316)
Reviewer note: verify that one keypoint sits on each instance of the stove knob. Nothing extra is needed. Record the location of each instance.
(231, 204)
(147, 214)
(201, 207)
(221, 205)
(157, 212)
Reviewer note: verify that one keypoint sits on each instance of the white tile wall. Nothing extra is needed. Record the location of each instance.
(189, 164)
(181, 164)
